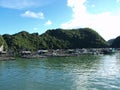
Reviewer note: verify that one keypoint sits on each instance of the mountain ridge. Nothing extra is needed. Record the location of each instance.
(55, 39)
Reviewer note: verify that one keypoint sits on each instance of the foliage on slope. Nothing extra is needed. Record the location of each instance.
(55, 39)
(3, 42)
(75, 38)
(21, 41)
(116, 43)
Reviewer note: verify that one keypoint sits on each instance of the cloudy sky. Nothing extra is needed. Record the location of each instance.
(41, 15)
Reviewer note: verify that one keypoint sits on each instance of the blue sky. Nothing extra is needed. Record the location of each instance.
(41, 15)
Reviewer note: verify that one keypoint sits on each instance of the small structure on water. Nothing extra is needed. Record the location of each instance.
(42, 52)
(25, 53)
(2, 52)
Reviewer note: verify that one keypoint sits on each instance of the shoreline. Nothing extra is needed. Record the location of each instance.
(6, 58)
(59, 53)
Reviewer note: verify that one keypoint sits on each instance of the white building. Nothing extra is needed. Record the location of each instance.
(1, 48)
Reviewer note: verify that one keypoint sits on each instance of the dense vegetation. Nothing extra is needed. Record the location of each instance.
(22, 41)
(116, 43)
(110, 42)
(3, 42)
(75, 38)
(55, 39)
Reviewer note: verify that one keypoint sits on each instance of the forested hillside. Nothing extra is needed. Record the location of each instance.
(3, 42)
(55, 39)
(116, 42)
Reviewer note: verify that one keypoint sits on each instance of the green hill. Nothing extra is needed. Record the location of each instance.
(55, 39)
(116, 42)
(22, 41)
(74, 38)
(110, 41)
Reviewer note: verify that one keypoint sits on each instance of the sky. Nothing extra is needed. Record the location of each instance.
(103, 16)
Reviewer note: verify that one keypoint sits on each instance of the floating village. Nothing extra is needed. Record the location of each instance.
(10, 55)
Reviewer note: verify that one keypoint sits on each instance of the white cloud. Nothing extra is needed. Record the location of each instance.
(24, 4)
(117, 1)
(106, 24)
(32, 14)
(48, 23)
(18, 4)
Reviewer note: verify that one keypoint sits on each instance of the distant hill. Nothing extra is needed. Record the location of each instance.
(116, 42)
(55, 39)
(110, 41)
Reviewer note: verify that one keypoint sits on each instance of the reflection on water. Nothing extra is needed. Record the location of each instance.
(85, 72)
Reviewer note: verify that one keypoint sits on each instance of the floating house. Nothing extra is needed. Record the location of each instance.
(41, 52)
(25, 53)
(2, 52)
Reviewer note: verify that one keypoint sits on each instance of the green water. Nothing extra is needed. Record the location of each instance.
(85, 72)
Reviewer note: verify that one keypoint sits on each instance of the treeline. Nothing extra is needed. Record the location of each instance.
(54, 39)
